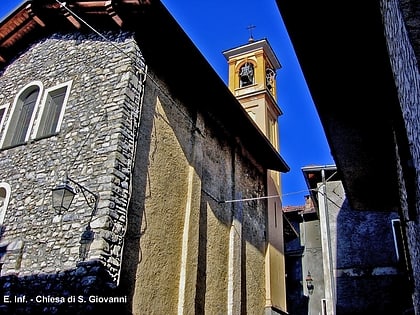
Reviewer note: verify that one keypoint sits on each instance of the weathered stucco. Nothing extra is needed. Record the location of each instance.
(190, 169)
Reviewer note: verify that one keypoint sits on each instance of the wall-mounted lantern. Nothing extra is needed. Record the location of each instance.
(309, 283)
(63, 195)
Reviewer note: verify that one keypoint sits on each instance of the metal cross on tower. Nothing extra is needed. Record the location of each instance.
(251, 37)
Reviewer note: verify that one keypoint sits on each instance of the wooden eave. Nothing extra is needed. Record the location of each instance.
(33, 18)
(14, 29)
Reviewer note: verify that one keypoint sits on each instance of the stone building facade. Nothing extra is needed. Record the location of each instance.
(402, 29)
(360, 250)
(378, 158)
(95, 145)
(110, 110)
(338, 254)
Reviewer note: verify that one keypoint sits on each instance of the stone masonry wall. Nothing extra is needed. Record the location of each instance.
(95, 147)
(402, 25)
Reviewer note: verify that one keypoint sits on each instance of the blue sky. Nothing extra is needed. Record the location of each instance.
(217, 25)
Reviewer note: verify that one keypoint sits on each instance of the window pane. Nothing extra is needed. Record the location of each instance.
(2, 196)
(24, 118)
(2, 111)
(52, 110)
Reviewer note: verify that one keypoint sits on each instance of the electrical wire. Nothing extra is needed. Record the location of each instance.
(265, 197)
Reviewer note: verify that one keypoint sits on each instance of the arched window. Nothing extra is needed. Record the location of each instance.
(246, 74)
(22, 116)
(270, 74)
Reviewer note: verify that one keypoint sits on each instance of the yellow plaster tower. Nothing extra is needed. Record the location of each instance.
(252, 79)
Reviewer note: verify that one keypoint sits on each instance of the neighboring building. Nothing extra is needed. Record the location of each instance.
(103, 96)
(303, 243)
(355, 259)
(361, 63)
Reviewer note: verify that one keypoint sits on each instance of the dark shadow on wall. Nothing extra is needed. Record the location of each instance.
(297, 302)
(86, 289)
(369, 279)
(3, 247)
(137, 215)
(200, 298)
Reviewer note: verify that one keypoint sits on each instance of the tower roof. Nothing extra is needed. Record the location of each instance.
(254, 46)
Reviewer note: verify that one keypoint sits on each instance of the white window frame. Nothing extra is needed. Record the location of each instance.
(396, 243)
(2, 119)
(7, 136)
(42, 108)
(3, 208)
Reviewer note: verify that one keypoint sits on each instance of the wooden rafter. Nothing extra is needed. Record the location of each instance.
(111, 11)
(35, 16)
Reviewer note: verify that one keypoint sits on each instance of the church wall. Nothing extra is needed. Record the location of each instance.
(157, 214)
(187, 249)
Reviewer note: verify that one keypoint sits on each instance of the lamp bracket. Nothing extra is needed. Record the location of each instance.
(91, 198)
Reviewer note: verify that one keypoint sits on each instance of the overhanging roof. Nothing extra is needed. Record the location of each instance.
(255, 46)
(342, 51)
(167, 49)
(318, 175)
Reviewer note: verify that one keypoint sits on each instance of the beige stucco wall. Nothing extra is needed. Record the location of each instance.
(186, 251)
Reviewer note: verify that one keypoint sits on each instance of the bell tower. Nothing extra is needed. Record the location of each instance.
(252, 79)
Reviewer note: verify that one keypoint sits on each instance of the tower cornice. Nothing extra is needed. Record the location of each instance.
(261, 44)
